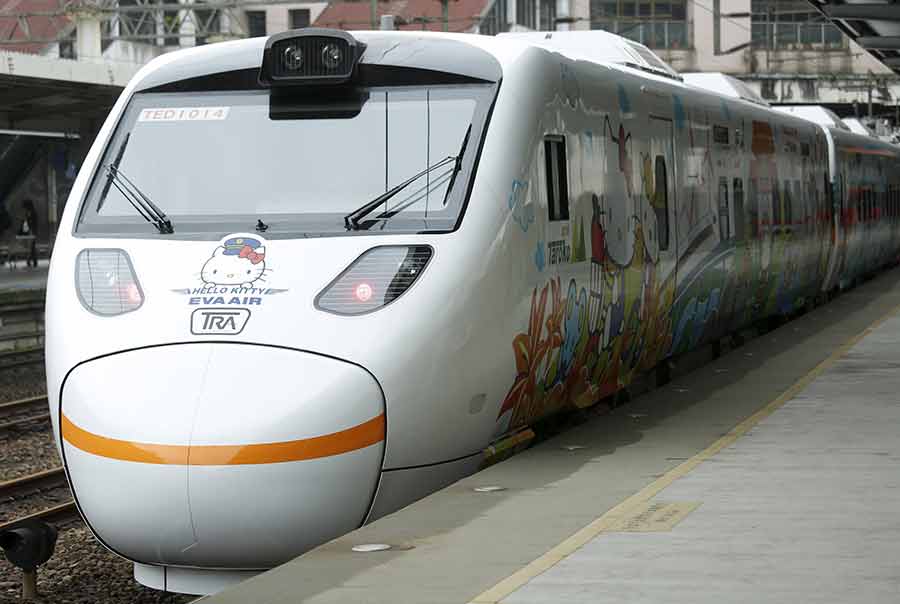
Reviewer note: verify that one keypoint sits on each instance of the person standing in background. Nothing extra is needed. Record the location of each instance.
(28, 230)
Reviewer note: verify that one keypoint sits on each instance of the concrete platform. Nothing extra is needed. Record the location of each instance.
(770, 475)
(22, 278)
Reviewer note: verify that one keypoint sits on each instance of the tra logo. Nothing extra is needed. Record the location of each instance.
(217, 321)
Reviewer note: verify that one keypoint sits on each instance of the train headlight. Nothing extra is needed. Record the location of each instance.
(106, 282)
(310, 56)
(332, 56)
(292, 57)
(375, 279)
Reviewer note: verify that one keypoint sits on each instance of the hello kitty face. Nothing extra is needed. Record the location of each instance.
(242, 266)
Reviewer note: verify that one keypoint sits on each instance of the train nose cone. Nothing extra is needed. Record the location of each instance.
(221, 455)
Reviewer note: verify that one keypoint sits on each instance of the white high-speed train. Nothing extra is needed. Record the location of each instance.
(303, 281)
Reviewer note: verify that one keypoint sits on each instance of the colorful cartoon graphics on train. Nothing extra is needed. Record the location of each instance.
(746, 251)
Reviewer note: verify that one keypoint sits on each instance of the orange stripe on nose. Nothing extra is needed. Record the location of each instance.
(359, 436)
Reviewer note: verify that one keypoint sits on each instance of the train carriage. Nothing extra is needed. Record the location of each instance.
(306, 280)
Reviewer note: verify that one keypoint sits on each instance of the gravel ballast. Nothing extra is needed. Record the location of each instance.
(31, 448)
(22, 382)
(82, 571)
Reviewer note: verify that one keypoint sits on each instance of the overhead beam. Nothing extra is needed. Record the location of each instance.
(859, 12)
(879, 42)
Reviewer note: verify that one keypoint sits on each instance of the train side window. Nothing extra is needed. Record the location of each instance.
(724, 221)
(661, 207)
(753, 214)
(738, 193)
(720, 135)
(783, 204)
(557, 177)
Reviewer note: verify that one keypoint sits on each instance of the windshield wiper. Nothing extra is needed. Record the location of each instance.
(115, 164)
(148, 210)
(351, 220)
(458, 166)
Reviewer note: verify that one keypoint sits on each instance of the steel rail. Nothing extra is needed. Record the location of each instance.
(57, 514)
(22, 403)
(32, 483)
(17, 362)
(13, 407)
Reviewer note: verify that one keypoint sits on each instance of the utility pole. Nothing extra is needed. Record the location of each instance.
(373, 13)
(445, 14)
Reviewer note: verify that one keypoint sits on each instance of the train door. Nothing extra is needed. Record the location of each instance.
(661, 275)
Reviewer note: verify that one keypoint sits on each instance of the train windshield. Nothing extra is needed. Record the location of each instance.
(222, 161)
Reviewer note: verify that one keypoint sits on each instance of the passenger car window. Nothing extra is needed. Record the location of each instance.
(738, 193)
(557, 177)
(661, 203)
(724, 218)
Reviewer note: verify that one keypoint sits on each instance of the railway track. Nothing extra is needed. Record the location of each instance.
(21, 334)
(10, 359)
(19, 489)
(22, 413)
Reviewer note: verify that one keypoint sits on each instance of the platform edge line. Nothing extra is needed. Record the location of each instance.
(575, 542)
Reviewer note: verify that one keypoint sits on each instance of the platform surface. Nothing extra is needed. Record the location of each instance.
(769, 475)
(22, 278)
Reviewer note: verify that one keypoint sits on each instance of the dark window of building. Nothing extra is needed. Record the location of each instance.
(557, 177)
(526, 13)
(494, 21)
(654, 23)
(256, 23)
(791, 24)
(548, 15)
(298, 18)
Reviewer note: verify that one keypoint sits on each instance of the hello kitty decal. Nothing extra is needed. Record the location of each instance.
(235, 273)
(239, 261)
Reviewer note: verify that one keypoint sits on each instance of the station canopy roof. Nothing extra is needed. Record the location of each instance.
(873, 25)
(39, 93)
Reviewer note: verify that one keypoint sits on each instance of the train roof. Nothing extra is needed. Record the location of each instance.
(455, 53)
(483, 57)
(597, 46)
(856, 125)
(725, 85)
(815, 113)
